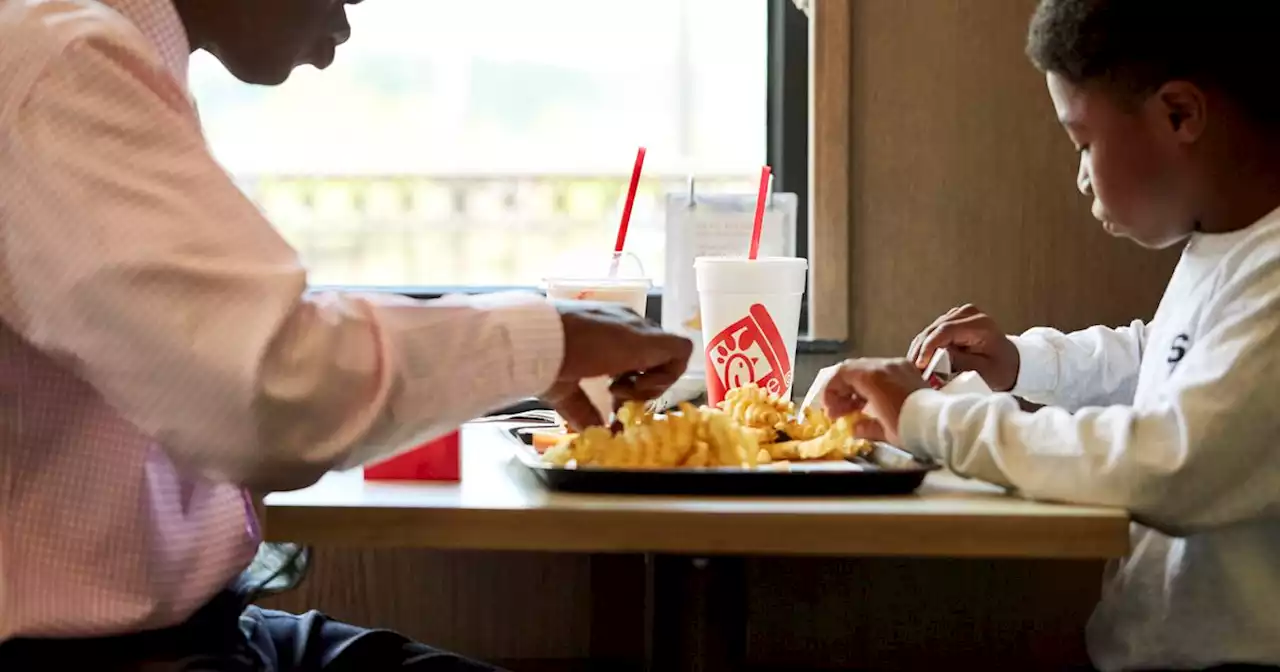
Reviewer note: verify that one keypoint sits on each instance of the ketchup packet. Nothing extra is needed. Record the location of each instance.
(938, 373)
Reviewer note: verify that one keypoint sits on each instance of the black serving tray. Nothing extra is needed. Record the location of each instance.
(887, 471)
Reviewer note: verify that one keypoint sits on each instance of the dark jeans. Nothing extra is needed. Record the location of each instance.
(1240, 668)
(227, 636)
(1216, 668)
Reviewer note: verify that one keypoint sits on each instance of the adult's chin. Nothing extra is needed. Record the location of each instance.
(267, 76)
(259, 72)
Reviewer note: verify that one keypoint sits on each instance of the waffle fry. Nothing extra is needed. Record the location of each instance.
(773, 419)
(693, 437)
(752, 406)
(837, 443)
(748, 428)
(812, 425)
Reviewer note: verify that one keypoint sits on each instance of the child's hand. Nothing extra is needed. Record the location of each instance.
(876, 387)
(976, 343)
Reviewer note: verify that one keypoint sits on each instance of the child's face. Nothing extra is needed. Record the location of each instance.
(1131, 163)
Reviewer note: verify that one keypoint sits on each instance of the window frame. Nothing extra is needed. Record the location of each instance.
(794, 117)
(830, 167)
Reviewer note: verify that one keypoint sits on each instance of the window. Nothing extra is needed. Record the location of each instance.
(486, 143)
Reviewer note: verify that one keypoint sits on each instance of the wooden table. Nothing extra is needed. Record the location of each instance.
(500, 506)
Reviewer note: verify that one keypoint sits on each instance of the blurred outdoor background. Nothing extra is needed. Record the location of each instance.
(489, 142)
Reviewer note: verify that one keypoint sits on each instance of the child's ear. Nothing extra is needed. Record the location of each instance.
(1181, 107)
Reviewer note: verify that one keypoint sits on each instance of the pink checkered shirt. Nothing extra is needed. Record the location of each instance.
(159, 352)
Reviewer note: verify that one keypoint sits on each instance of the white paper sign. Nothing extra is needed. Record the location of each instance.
(715, 225)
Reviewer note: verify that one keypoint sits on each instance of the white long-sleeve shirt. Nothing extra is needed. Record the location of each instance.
(1177, 421)
(158, 348)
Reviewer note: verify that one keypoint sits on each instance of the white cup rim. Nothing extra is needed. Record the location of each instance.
(599, 282)
(743, 263)
(789, 261)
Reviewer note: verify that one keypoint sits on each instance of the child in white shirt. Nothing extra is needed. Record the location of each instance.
(1176, 117)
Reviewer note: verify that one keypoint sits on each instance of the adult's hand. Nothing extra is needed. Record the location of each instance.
(605, 339)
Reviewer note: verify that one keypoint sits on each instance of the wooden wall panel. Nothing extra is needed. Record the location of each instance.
(489, 605)
(829, 161)
(892, 614)
(963, 183)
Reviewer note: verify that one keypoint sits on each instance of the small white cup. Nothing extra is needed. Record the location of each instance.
(750, 321)
(628, 288)
(630, 292)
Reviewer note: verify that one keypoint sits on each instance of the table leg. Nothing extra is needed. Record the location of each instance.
(619, 618)
(696, 613)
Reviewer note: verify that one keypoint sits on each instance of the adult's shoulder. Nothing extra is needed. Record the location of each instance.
(30, 27)
(34, 34)
(60, 40)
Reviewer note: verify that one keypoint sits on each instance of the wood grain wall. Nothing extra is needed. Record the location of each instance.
(962, 191)
(963, 185)
(511, 606)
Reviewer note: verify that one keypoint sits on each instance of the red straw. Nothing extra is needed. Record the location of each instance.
(760, 200)
(631, 199)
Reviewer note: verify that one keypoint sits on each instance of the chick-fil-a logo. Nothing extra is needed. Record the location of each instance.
(750, 350)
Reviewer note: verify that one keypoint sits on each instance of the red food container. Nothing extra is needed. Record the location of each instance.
(439, 460)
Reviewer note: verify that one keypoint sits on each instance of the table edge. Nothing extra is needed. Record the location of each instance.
(695, 532)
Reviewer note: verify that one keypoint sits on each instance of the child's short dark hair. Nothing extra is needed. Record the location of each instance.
(1138, 45)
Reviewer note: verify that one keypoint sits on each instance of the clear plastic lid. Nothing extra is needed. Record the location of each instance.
(623, 268)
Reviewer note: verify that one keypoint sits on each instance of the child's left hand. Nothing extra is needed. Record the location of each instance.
(876, 387)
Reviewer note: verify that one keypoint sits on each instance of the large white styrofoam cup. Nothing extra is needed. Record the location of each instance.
(750, 321)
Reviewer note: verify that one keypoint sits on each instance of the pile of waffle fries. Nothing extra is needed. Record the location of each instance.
(749, 428)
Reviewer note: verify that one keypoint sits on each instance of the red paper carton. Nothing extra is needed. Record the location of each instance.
(439, 460)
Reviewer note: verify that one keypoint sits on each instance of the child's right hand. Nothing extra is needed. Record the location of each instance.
(976, 343)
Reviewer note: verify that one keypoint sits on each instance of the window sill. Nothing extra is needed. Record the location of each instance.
(820, 346)
(805, 346)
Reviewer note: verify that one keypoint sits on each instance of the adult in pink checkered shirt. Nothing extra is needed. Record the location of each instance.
(160, 356)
